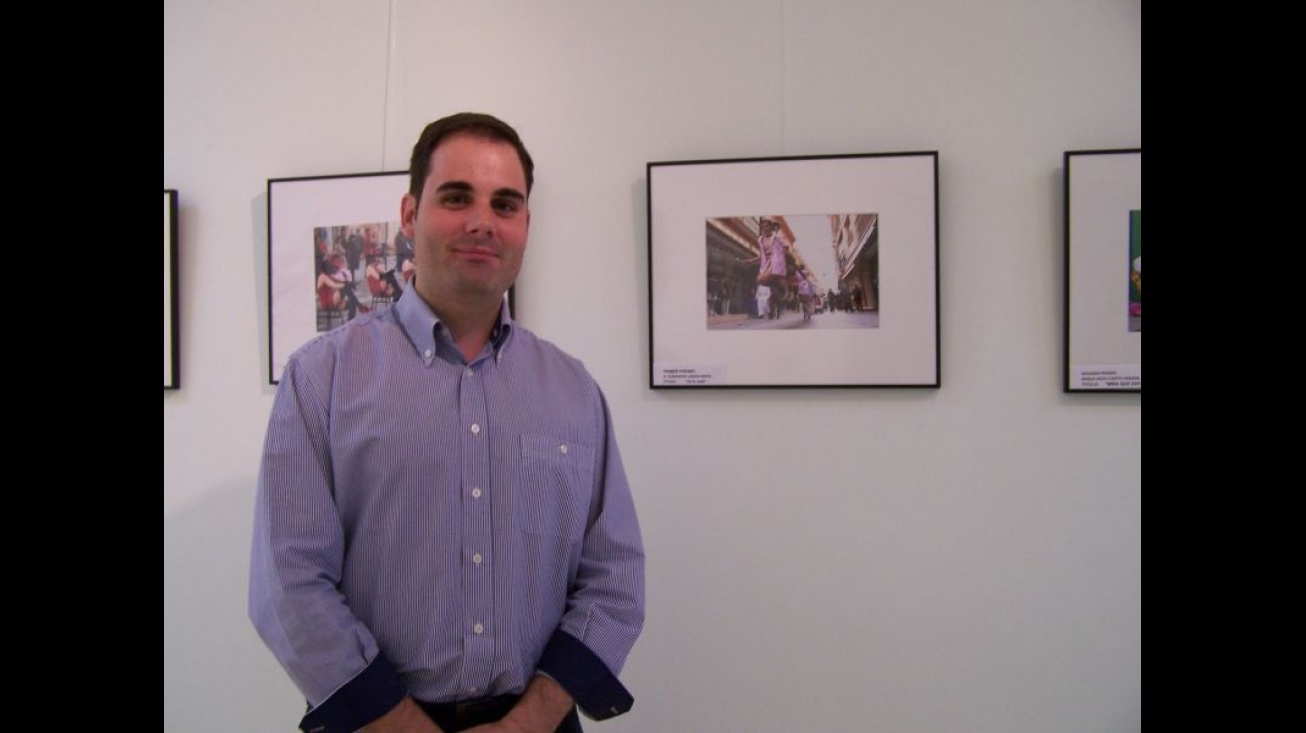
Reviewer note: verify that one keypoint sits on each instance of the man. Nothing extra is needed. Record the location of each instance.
(805, 293)
(771, 252)
(353, 247)
(403, 249)
(444, 536)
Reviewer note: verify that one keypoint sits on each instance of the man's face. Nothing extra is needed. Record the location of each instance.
(469, 227)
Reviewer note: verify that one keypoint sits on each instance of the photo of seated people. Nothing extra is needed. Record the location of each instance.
(360, 267)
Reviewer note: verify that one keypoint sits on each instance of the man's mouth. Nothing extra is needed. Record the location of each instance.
(483, 254)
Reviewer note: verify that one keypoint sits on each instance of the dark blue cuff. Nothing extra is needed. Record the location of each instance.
(597, 692)
(363, 699)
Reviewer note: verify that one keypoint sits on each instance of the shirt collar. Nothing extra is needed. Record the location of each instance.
(420, 322)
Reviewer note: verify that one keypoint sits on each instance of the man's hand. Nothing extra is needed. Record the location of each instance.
(406, 717)
(540, 710)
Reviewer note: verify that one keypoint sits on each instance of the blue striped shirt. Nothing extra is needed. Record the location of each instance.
(440, 528)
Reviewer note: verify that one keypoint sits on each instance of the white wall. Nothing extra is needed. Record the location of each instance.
(966, 559)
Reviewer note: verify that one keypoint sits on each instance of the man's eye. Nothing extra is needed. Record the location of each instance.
(506, 206)
(454, 199)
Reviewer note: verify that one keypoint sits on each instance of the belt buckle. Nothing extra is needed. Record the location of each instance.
(463, 710)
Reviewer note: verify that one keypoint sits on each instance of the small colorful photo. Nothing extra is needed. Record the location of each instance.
(1136, 270)
(770, 272)
(349, 255)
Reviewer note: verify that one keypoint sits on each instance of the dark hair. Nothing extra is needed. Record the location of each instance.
(474, 123)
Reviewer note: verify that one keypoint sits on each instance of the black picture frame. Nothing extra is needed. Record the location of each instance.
(303, 209)
(171, 333)
(345, 209)
(1103, 347)
(857, 304)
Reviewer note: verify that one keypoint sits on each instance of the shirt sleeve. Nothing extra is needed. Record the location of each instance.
(296, 564)
(605, 610)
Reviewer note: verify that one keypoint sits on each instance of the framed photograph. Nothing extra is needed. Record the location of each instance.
(817, 271)
(335, 250)
(1104, 270)
(171, 375)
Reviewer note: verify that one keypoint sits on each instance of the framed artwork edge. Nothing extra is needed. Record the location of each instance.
(171, 330)
(788, 189)
(305, 201)
(313, 203)
(1098, 318)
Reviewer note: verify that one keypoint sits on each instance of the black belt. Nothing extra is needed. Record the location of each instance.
(452, 716)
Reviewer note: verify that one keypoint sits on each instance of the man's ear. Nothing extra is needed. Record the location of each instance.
(407, 213)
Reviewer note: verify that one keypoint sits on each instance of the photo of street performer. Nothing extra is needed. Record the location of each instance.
(772, 249)
(772, 272)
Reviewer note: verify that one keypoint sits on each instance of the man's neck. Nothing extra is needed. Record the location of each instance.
(468, 322)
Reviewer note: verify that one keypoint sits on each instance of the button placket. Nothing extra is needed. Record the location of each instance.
(477, 533)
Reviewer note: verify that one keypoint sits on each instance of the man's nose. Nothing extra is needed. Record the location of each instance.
(480, 221)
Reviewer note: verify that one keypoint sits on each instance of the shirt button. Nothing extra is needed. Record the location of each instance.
(476, 558)
(476, 429)
(427, 353)
(476, 493)
(473, 689)
(478, 628)
(563, 449)
(468, 372)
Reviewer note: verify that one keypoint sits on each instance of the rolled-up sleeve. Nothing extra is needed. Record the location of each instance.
(296, 564)
(605, 610)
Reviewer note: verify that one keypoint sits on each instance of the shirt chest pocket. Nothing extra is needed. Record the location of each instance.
(555, 479)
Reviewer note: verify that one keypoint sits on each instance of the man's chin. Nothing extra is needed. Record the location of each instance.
(484, 290)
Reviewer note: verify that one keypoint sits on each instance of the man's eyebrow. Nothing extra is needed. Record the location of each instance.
(464, 186)
(454, 186)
